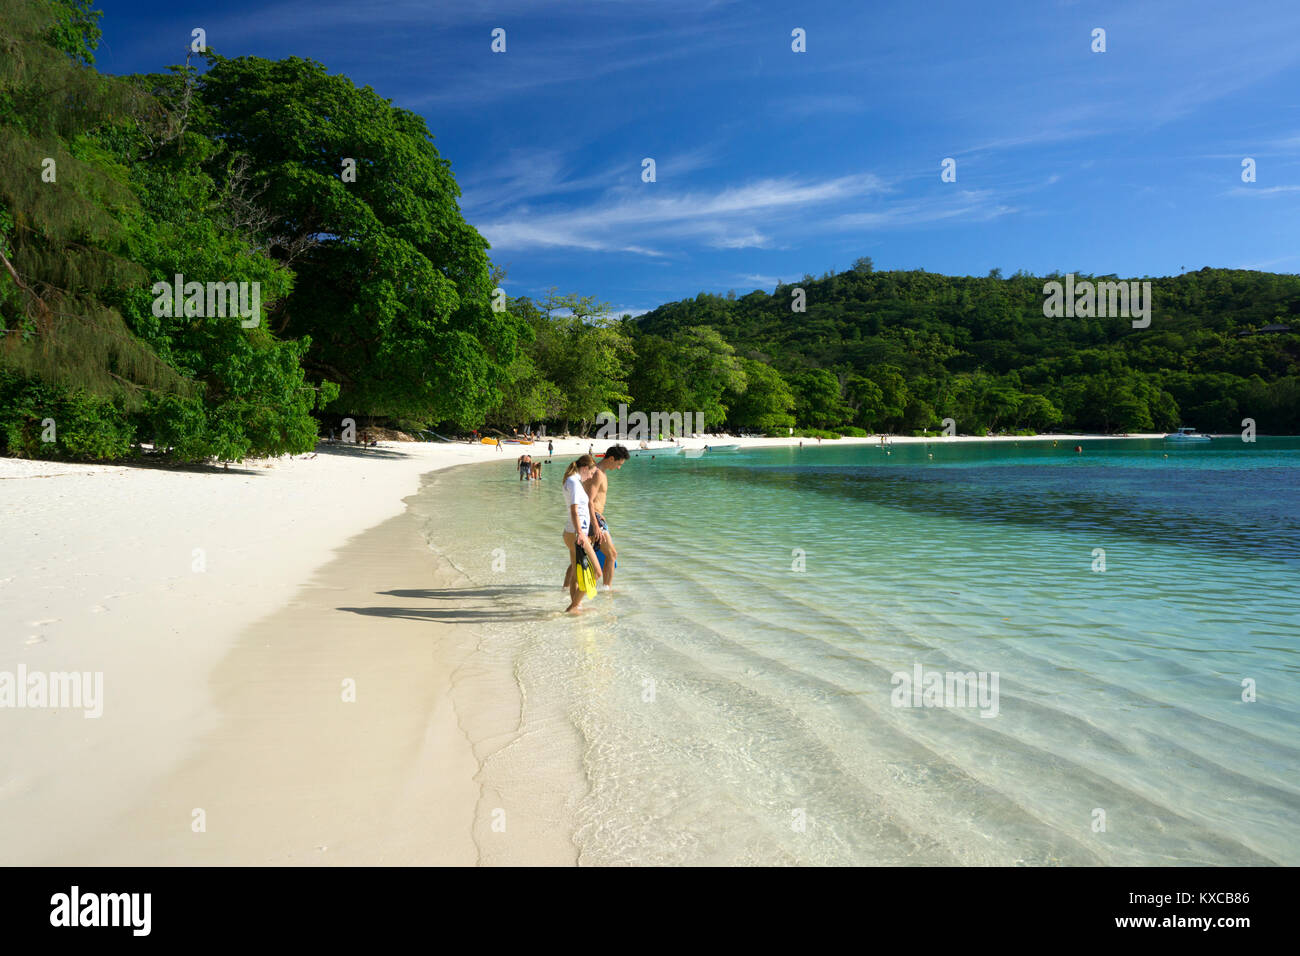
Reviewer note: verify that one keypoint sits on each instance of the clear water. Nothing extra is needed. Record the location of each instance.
(732, 708)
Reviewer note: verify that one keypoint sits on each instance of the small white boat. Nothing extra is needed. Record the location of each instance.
(724, 448)
(1187, 434)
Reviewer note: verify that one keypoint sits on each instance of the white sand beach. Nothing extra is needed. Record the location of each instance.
(208, 598)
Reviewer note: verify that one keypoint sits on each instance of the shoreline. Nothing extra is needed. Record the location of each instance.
(186, 588)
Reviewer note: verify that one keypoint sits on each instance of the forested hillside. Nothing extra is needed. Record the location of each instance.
(898, 351)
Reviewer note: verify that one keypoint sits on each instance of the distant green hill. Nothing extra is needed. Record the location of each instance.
(899, 351)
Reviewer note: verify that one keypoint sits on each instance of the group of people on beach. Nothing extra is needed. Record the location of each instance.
(586, 488)
(529, 470)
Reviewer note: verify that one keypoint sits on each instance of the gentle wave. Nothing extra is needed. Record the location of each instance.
(733, 697)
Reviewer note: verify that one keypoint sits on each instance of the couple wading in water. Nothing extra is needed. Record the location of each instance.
(586, 534)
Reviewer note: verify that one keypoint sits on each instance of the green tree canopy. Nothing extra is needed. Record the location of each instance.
(393, 286)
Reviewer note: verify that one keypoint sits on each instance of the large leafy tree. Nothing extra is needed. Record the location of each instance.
(766, 401)
(393, 286)
(527, 395)
(582, 349)
(109, 196)
(254, 398)
(692, 372)
(817, 398)
(63, 257)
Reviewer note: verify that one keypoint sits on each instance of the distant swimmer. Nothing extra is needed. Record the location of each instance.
(1078, 448)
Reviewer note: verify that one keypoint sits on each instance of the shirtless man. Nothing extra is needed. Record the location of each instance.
(597, 487)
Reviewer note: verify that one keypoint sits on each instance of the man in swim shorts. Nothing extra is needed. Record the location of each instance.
(597, 487)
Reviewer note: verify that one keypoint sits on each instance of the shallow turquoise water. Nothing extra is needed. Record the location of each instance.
(734, 698)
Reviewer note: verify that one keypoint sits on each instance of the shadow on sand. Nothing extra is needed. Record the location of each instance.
(506, 611)
(340, 449)
(449, 615)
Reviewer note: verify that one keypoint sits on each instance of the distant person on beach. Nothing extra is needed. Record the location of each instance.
(550, 448)
(597, 487)
(525, 467)
(537, 471)
(577, 526)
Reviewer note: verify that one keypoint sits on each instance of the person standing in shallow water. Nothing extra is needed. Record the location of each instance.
(597, 487)
(577, 525)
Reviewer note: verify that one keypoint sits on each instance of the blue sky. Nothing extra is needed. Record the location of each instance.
(771, 164)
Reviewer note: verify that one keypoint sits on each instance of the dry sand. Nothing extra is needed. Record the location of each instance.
(232, 614)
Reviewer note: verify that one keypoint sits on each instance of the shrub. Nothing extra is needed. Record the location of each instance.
(83, 426)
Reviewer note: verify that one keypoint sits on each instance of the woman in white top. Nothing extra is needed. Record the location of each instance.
(577, 525)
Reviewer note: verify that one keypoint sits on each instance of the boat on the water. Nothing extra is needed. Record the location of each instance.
(724, 448)
(1187, 434)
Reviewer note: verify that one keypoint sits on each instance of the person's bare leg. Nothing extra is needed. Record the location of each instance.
(569, 540)
(571, 579)
(611, 555)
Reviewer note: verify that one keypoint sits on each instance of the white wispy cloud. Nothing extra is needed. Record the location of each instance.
(727, 218)
(525, 174)
(1262, 192)
(976, 205)
(637, 221)
(1269, 263)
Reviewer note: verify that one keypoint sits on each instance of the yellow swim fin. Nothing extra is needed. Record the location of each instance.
(585, 575)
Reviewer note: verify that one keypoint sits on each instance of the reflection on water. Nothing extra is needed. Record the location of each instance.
(733, 695)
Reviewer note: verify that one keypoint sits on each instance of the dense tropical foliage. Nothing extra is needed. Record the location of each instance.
(900, 351)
